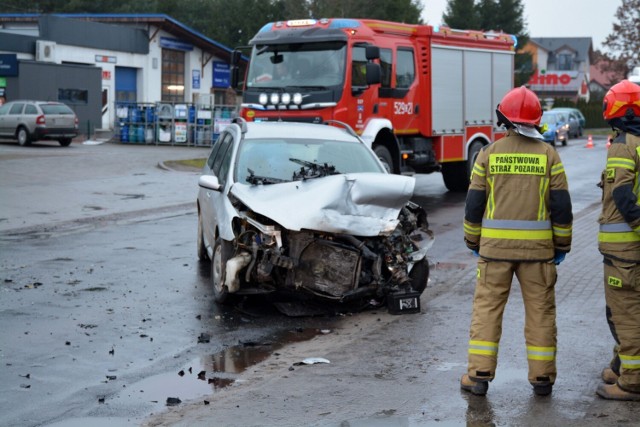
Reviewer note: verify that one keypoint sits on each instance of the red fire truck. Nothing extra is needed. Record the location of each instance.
(423, 97)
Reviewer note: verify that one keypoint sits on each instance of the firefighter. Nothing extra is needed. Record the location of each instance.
(619, 241)
(517, 221)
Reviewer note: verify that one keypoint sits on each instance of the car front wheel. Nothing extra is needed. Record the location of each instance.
(419, 275)
(23, 136)
(203, 255)
(222, 251)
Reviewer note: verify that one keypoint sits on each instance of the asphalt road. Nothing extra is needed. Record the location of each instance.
(106, 314)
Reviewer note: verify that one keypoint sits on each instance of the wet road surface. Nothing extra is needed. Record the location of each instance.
(107, 314)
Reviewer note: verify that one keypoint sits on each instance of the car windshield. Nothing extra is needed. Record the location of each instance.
(288, 159)
(55, 109)
(549, 119)
(297, 65)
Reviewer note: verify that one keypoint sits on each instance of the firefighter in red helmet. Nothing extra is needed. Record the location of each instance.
(517, 221)
(619, 241)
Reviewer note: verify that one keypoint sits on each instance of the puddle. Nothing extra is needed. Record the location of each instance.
(203, 376)
(95, 422)
(236, 359)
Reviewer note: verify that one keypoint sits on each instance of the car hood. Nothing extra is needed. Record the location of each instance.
(360, 204)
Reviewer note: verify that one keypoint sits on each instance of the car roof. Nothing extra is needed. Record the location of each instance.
(34, 101)
(566, 109)
(260, 130)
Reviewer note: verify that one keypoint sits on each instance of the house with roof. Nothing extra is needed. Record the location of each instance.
(96, 62)
(562, 66)
(602, 78)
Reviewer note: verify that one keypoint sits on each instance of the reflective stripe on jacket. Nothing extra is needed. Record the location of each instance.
(518, 206)
(619, 234)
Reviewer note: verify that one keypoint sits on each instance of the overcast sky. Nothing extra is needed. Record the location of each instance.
(553, 18)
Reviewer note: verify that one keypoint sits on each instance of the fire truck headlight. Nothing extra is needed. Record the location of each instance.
(297, 98)
(275, 98)
(263, 99)
(286, 98)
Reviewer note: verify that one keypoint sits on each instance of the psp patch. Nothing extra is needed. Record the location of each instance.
(614, 281)
(611, 174)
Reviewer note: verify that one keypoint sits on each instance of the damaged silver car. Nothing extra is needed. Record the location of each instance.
(309, 210)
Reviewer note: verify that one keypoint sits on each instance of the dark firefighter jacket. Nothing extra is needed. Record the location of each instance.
(518, 206)
(619, 235)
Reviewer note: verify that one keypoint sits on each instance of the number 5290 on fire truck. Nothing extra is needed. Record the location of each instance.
(422, 97)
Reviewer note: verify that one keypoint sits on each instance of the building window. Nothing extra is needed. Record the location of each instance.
(73, 96)
(565, 62)
(172, 75)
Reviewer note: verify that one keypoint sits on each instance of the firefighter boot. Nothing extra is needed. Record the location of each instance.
(609, 376)
(614, 392)
(542, 389)
(479, 388)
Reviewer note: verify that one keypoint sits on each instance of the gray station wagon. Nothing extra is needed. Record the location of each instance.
(29, 121)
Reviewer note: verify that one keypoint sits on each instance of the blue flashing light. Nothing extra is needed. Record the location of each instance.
(266, 27)
(344, 23)
(436, 28)
(515, 41)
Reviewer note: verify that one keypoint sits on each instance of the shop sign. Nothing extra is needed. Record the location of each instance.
(560, 81)
(105, 58)
(106, 75)
(195, 79)
(221, 75)
(175, 44)
(8, 64)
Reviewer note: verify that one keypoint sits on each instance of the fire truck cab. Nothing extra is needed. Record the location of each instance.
(422, 97)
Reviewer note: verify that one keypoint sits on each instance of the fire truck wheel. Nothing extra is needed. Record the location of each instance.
(454, 176)
(385, 157)
(474, 149)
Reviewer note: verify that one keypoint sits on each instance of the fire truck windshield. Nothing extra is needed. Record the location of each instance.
(298, 65)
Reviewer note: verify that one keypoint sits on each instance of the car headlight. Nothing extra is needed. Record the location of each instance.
(263, 99)
(274, 98)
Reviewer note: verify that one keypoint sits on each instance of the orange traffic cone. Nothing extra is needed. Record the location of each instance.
(589, 142)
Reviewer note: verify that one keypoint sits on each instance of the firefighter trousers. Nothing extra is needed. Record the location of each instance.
(537, 282)
(622, 292)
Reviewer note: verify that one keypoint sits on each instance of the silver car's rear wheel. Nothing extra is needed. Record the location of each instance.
(23, 136)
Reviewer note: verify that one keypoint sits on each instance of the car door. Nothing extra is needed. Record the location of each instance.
(13, 117)
(574, 124)
(214, 204)
(4, 129)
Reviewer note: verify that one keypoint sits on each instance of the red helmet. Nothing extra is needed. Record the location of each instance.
(521, 105)
(621, 98)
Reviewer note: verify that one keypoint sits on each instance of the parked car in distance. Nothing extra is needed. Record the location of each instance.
(557, 127)
(308, 210)
(575, 115)
(29, 121)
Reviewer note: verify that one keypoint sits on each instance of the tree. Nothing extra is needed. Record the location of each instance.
(462, 14)
(494, 15)
(623, 43)
(407, 11)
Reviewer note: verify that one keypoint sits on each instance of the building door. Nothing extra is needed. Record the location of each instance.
(126, 85)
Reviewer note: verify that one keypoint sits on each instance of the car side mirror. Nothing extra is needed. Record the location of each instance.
(209, 182)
